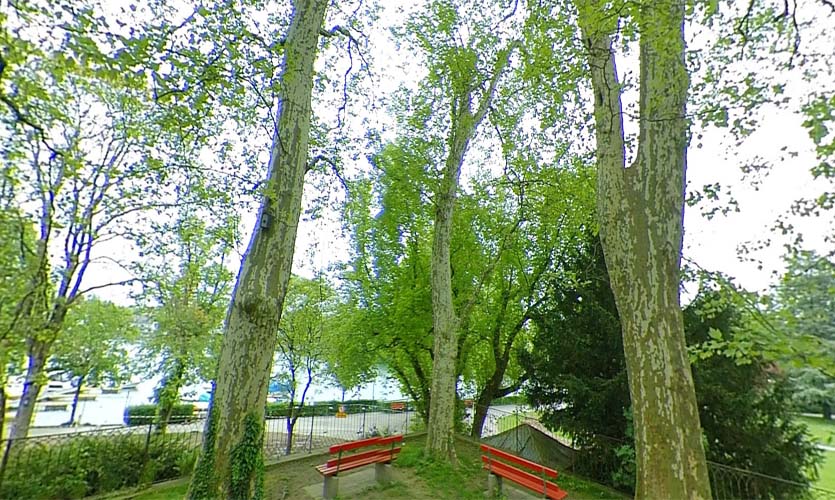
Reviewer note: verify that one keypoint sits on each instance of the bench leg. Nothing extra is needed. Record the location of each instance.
(331, 487)
(494, 485)
(382, 473)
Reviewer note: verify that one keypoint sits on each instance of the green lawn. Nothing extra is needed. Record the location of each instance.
(826, 471)
(822, 431)
(163, 493)
(511, 420)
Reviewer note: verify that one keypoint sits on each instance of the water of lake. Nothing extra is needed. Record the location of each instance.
(109, 409)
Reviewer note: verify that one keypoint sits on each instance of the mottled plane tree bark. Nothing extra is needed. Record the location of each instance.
(465, 122)
(640, 210)
(231, 462)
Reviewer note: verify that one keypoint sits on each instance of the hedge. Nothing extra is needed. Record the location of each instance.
(320, 408)
(147, 414)
(86, 465)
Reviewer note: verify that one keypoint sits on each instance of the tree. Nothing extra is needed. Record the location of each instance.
(579, 380)
(187, 287)
(805, 307)
(577, 374)
(82, 195)
(813, 391)
(16, 242)
(231, 461)
(744, 401)
(640, 211)
(467, 73)
(387, 281)
(351, 363)
(93, 347)
(89, 154)
(302, 342)
(530, 256)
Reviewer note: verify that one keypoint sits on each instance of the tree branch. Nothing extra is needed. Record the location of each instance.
(97, 287)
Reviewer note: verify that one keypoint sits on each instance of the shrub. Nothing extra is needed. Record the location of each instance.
(147, 414)
(579, 383)
(85, 465)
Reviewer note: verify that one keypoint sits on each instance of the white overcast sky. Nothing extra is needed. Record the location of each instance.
(711, 243)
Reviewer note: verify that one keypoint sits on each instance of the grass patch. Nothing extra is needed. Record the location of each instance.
(443, 478)
(468, 480)
(417, 478)
(163, 493)
(822, 431)
(826, 471)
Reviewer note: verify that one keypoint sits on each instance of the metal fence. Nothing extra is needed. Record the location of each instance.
(74, 464)
(325, 425)
(597, 458)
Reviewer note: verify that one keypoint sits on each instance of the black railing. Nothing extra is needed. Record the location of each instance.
(322, 426)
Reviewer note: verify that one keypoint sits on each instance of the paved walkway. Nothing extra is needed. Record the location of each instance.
(353, 484)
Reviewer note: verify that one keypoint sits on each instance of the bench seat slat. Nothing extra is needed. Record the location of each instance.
(363, 459)
(526, 479)
(539, 469)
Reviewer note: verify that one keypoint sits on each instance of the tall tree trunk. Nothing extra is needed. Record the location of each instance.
(486, 396)
(75, 397)
(295, 411)
(31, 389)
(492, 389)
(235, 426)
(2, 411)
(640, 211)
(482, 403)
(4, 380)
(291, 425)
(441, 426)
(479, 416)
(169, 396)
(445, 324)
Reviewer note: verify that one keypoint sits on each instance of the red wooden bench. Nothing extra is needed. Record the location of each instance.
(383, 451)
(535, 478)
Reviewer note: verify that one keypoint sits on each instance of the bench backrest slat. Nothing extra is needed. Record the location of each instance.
(353, 445)
(347, 460)
(390, 439)
(539, 469)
